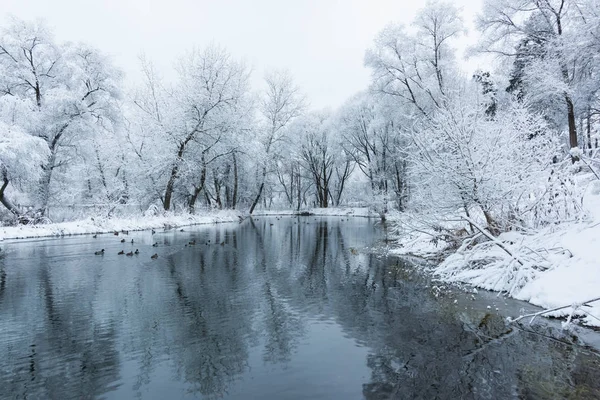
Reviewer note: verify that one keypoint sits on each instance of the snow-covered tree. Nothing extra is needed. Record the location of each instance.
(492, 166)
(321, 157)
(414, 68)
(371, 130)
(68, 92)
(21, 155)
(552, 46)
(183, 127)
(280, 103)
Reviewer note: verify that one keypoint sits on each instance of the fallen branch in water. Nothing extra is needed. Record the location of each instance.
(537, 314)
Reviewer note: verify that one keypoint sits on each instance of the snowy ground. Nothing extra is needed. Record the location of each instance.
(331, 211)
(104, 225)
(559, 265)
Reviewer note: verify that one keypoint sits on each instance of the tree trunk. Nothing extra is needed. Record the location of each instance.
(325, 186)
(571, 119)
(173, 177)
(169, 189)
(260, 190)
(45, 186)
(491, 223)
(299, 189)
(399, 187)
(4, 200)
(589, 130)
(342, 182)
(197, 190)
(235, 183)
(217, 192)
(257, 199)
(227, 196)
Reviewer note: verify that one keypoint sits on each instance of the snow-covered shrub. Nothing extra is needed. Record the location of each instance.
(466, 161)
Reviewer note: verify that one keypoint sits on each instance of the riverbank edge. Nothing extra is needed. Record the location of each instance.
(571, 279)
(100, 225)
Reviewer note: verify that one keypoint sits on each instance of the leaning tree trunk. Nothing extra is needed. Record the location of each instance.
(174, 174)
(4, 200)
(260, 190)
(491, 223)
(169, 188)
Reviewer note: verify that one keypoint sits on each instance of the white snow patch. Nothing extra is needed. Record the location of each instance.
(574, 279)
(591, 200)
(105, 225)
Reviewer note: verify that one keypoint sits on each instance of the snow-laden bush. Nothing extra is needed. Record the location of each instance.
(467, 161)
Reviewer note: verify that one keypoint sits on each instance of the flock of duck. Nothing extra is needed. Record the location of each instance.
(136, 252)
(155, 255)
(128, 254)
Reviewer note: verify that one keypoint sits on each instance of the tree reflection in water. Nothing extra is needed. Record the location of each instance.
(297, 309)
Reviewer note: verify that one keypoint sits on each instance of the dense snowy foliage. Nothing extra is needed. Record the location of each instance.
(422, 138)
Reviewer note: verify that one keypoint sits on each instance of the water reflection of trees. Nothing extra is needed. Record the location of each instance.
(56, 352)
(420, 349)
(256, 287)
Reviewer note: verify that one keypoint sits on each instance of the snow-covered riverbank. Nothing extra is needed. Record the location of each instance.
(107, 225)
(556, 266)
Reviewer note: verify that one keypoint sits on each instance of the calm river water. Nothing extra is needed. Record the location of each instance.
(290, 308)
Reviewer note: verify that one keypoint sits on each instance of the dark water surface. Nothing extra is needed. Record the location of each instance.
(296, 308)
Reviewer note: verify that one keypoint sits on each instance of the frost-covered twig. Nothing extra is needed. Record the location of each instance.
(493, 239)
(537, 314)
(582, 159)
(467, 242)
(536, 253)
(589, 314)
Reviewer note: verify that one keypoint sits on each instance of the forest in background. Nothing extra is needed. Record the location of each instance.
(511, 147)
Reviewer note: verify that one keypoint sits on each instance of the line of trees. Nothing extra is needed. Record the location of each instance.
(423, 137)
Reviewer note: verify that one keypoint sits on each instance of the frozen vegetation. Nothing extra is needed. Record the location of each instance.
(551, 267)
(494, 176)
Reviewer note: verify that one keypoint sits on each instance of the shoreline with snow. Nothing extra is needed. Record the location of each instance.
(553, 267)
(102, 225)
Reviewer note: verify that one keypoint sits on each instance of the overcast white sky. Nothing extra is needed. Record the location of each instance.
(322, 42)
